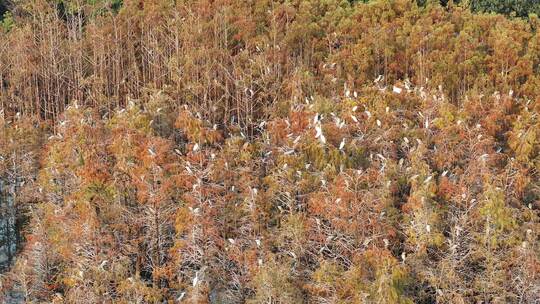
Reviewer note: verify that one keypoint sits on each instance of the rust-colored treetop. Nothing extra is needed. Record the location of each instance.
(269, 152)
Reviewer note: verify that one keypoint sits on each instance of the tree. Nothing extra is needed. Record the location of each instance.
(507, 7)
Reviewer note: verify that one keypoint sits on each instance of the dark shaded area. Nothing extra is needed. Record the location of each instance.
(9, 234)
(67, 13)
(116, 5)
(518, 8)
(3, 9)
(515, 8)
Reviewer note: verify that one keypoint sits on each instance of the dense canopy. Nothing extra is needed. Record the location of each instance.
(299, 151)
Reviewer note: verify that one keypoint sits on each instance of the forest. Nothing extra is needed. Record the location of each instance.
(289, 151)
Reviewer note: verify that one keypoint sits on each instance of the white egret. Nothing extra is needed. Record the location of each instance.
(342, 144)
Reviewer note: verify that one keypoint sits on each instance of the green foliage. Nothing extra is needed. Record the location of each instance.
(6, 21)
(274, 283)
(523, 138)
(498, 217)
(376, 277)
(519, 8)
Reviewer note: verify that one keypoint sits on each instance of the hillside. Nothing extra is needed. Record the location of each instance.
(304, 151)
